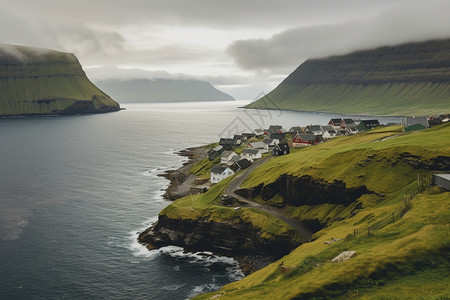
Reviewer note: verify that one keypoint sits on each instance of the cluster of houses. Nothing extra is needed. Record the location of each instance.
(274, 140)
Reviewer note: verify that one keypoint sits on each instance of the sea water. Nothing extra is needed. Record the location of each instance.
(76, 190)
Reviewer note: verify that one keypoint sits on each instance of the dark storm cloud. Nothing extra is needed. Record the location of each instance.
(291, 47)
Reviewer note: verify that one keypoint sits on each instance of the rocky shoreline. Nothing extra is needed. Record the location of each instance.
(163, 233)
(181, 179)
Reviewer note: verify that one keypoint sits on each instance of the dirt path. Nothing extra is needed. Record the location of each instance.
(235, 184)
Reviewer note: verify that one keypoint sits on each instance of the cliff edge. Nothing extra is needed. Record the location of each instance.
(37, 81)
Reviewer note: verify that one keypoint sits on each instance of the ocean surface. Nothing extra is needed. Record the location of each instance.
(76, 190)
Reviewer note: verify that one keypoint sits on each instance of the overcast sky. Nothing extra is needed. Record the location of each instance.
(243, 47)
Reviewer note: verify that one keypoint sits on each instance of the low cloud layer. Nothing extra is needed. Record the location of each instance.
(283, 51)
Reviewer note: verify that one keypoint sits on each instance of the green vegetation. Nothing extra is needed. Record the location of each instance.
(39, 81)
(411, 79)
(405, 256)
(207, 206)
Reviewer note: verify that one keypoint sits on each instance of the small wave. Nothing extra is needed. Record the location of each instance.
(204, 288)
(173, 287)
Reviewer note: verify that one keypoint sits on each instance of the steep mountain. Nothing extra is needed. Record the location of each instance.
(41, 82)
(162, 90)
(409, 79)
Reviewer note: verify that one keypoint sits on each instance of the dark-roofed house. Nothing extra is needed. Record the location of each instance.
(346, 122)
(246, 136)
(270, 143)
(281, 149)
(314, 129)
(240, 165)
(251, 154)
(295, 129)
(329, 132)
(415, 123)
(301, 140)
(219, 173)
(237, 140)
(335, 122)
(227, 143)
(215, 152)
(365, 125)
(278, 135)
(351, 129)
(258, 132)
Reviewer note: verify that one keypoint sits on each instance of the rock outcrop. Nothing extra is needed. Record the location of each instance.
(46, 82)
(235, 239)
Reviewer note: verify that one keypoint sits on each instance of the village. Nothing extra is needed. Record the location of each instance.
(233, 154)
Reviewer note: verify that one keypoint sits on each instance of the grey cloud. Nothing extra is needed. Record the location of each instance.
(291, 47)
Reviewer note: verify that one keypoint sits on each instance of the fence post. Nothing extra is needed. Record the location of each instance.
(368, 230)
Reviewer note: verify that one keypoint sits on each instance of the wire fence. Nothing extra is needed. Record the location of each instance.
(424, 181)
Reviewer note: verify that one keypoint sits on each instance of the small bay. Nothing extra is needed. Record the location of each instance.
(76, 190)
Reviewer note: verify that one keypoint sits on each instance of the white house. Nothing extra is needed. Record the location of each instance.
(251, 154)
(226, 157)
(270, 143)
(329, 132)
(261, 146)
(219, 173)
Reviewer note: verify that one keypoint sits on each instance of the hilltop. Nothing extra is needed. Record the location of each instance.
(368, 193)
(162, 90)
(410, 79)
(36, 81)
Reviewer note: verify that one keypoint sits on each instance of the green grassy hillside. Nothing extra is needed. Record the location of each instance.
(411, 79)
(39, 81)
(400, 231)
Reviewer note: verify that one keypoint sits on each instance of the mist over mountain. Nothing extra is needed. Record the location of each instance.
(408, 79)
(161, 90)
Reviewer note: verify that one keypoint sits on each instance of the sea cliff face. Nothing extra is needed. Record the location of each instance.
(41, 82)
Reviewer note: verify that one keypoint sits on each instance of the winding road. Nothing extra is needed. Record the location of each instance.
(237, 181)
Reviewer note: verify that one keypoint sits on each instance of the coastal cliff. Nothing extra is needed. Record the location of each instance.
(46, 82)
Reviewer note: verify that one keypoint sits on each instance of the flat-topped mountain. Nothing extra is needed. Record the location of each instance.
(37, 81)
(162, 90)
(409, 79)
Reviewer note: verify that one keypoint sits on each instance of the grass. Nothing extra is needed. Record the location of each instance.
(409, 254)
(383, 81)
(54, 78)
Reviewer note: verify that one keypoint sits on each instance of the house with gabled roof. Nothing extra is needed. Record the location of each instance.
(302, 140)
(365, 125)
(240, 165)
(226, 156)
(215, 152)
(227, 143)
(295, 129)
(278, 135)
(246, 136)
(260, 145)
(219, 173)
(314, 129)
(281, 149)
(329, 132)
(346, 122)
(335, 122)
(351, 129)
(258, 132)
(270, 143)
(251, 154)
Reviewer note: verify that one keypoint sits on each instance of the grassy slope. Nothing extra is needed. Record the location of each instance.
(44, 75)
(410, 255)
(412, 79)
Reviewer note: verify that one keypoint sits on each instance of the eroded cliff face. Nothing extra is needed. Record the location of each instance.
(40, 81)
(226, 238)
